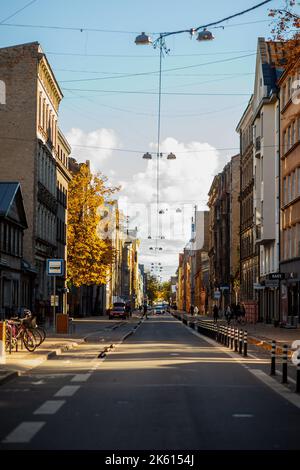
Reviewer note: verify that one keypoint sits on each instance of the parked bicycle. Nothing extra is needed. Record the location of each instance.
(26, 330)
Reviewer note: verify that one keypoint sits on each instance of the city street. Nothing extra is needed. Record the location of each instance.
(163, 387)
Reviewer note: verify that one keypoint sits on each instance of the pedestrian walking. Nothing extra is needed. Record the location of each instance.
(196, 310)
(228, 314)
(146, 311)
(216, 313)
(192, 309)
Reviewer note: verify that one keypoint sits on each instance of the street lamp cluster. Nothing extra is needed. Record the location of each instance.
(145, 39)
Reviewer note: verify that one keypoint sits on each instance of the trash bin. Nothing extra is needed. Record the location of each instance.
(62, 323)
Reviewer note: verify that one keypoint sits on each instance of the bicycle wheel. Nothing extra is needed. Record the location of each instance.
(42, 332)
(37, 336)
(29, 340)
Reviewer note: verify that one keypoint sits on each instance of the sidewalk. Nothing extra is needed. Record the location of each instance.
(84, 330)
(259, 334)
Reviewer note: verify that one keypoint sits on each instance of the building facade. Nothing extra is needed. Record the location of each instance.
(290, 194)
(29, 154)
(15, 280)
(249, 251)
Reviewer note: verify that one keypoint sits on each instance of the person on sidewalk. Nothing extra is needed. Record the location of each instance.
(216, 313)
(192, 310)
(146, 311)
(196, 310)
(228, 314)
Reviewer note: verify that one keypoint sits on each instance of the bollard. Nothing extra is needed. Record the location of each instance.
(240, 341)
(245, 343)
(284, 364)
(2, 342)
(273, 358)
(235, 340)
(228, 337)
(298, 375)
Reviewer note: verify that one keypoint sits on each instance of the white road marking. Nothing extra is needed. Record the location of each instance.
(24, 432)
(67, 391)
(241, 415)
(283, 391)
(50, 407)
(81, 378)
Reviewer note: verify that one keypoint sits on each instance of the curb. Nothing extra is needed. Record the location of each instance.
(9, 376)
(56, 352)
(263, 344)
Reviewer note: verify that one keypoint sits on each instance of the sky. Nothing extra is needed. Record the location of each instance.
(110, 108)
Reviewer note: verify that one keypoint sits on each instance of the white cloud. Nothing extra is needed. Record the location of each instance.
(81, 143)
(184, 182)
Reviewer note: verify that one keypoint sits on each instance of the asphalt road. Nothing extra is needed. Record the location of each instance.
(162, 388)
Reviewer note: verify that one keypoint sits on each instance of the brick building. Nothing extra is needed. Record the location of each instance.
(31, 147)
(290, 194)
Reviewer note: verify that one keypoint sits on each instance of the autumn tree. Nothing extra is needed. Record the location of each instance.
(152, 288)
(286, 29)
(89, 255)
(166, 291)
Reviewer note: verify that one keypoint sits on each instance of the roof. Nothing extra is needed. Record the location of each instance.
(273, 55)
(11, 203)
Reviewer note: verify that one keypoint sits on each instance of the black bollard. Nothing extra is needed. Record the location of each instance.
(240, 341)
(273, 358)
(284, 364)
(245, 343)
(235, 340)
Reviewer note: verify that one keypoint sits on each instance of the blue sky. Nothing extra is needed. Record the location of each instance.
(129, 121)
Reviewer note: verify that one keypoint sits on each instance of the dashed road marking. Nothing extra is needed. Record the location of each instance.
(81, 377)
(50, 407)
(24, 432)
(242, 415)
(67, 391)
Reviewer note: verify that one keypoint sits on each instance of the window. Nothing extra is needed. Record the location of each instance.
(289, 138)
(262, 124)
(293, 191)
(293, 133)
(289, 188)
(284, 142)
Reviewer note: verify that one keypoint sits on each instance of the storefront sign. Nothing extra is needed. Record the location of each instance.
(277, 276)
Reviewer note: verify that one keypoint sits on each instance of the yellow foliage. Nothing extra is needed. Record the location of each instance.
(89, 257)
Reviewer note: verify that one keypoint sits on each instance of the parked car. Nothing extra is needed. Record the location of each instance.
(118, 311)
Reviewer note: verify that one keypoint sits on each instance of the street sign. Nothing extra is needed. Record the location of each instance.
(224, 287)
(217, 295)
(54, 301)
(55, 267)
(276, 276)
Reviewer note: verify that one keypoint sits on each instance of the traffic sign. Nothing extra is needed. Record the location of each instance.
(55, 267)
(217, 294)
(54, 301)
